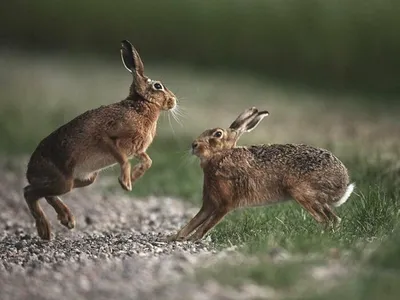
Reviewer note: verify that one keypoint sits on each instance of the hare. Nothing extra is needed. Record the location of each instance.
(72, 156)
(258, 175)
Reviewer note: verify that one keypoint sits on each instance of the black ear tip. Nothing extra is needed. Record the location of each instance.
(264, 112)
(126, 44)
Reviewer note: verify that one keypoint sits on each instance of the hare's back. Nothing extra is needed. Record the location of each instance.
(299, 159)
(76, 142)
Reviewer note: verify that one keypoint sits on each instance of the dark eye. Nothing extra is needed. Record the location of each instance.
(218, 134)
(158, 86)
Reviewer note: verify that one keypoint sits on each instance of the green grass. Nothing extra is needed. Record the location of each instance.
(371, 212)
(263, 273)
(377, 278)
(370, 217)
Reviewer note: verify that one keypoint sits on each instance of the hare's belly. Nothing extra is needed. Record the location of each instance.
(93, 163)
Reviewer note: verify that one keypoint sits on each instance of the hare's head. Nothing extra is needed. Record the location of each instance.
(217, 139)
(152, 91)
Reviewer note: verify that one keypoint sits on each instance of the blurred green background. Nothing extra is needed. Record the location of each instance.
(335, 44)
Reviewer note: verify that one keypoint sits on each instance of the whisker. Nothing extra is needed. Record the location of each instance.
(177, 119)
(170, 124)
(186, 159)
(176, 115)
(180, 111)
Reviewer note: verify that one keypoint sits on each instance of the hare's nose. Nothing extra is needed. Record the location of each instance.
(194, 145)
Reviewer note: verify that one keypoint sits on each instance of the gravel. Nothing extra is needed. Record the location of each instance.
(116, 251)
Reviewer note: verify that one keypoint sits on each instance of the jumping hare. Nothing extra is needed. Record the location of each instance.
(72, 156)
(263, 174)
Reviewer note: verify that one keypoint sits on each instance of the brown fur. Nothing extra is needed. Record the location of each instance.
(258, 175)
(72, 156)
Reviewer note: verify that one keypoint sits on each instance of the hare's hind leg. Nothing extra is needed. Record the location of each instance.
(309, 201)
(315, 202)
(42, 224)
(64, 215)
(49, 190)
(333, 217)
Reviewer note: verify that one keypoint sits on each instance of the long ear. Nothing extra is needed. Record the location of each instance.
(241, 120)
(248, 120)
(131, 59)
(253, 123)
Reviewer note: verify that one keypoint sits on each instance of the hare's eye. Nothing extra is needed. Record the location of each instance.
(218, 134)
(158, 86)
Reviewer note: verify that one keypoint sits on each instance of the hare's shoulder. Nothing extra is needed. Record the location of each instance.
(233, 163)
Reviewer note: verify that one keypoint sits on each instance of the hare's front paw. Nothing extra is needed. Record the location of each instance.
(171, 238)
(175, 238)
(195, 237)
(125, 182)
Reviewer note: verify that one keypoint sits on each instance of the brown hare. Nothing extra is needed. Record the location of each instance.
(72, 156)
(258, 175)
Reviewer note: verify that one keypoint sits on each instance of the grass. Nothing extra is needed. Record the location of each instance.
(371, 212)
(363, 137)
(371, 220)
(377, 278)
(370, 224)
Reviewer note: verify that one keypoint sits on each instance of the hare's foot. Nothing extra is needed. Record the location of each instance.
(43, 229)
(67, 220)
(195, 237)
(175, 238)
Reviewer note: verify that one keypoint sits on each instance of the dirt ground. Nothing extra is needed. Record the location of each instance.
(115, 252)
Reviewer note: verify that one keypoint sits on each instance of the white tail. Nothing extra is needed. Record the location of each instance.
(346, 195)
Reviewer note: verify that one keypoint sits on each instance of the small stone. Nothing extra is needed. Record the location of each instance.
(19, 245)
(88, 220)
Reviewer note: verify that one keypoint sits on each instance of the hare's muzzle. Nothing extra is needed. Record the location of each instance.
(195, 146)
(171, 103)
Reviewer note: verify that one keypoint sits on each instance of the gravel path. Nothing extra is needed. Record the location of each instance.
(116, 252)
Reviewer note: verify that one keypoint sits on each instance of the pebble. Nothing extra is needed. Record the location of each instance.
(117, 250)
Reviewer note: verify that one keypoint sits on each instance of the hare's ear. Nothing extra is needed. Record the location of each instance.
(253, 123)
(248, 120)
(131, 59)
(240, 122)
